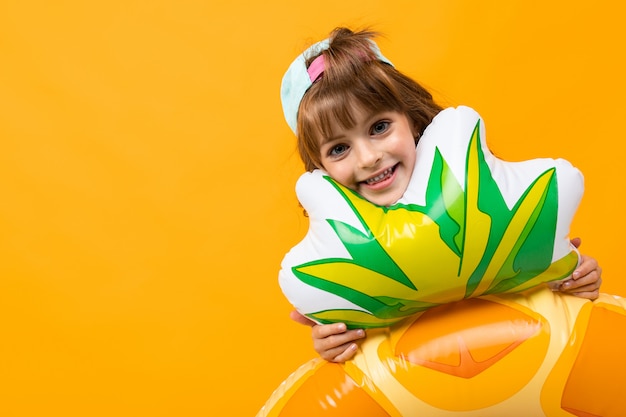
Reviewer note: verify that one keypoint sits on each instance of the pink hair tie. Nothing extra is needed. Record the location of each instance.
(316, 68)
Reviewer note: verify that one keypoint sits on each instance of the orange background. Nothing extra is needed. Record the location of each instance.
(146, 177)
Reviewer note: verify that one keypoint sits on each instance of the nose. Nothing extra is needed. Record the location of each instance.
(368, 155)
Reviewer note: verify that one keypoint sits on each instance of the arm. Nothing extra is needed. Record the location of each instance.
(586, 280)
(333, 342)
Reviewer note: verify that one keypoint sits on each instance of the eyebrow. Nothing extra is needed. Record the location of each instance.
(331, 139)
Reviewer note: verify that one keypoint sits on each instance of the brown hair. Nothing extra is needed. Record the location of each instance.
(353, 76)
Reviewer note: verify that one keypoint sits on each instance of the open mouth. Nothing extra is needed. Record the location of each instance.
(382, 176)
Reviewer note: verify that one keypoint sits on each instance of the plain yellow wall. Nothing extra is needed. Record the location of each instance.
(146, 177)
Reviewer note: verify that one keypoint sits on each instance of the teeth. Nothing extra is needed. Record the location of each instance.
(380, 176)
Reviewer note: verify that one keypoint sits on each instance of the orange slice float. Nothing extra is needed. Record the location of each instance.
(465, 347)
(539, 353)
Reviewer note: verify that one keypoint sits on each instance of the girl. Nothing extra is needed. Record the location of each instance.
(359, 119)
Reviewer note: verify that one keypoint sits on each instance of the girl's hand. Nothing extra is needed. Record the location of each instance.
(586, 280)
(333, 342)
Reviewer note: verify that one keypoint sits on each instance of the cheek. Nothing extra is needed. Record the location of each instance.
(340, 172)
(406, 148)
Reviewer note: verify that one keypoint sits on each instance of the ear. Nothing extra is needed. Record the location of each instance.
(417, 133)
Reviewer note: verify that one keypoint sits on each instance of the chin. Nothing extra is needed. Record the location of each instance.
(384, 201)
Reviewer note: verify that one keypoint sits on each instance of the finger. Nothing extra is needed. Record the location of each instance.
(590, 291)
(335, 346)
(591, 295)
(576, 241)
(587, 266)
(592, 286)
(339, 354)
(347, 354)
(322, 331)
(336, 340)
(592, 280)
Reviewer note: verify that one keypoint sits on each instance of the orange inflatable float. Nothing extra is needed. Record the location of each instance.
(453, 284)
(538, 353)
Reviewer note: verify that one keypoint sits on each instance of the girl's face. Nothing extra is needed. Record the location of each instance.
(375, 158)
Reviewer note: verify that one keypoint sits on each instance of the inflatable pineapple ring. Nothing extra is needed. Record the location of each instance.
(448, 282)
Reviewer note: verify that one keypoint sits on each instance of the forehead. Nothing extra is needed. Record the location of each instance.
(345, 114)
(352, 116)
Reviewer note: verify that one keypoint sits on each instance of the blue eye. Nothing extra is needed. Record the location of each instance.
(379, 127)
(338, 150)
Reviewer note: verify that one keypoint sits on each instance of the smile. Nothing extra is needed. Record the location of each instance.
(380, 177)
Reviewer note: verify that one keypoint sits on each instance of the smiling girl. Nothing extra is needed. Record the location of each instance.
(359, 119)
